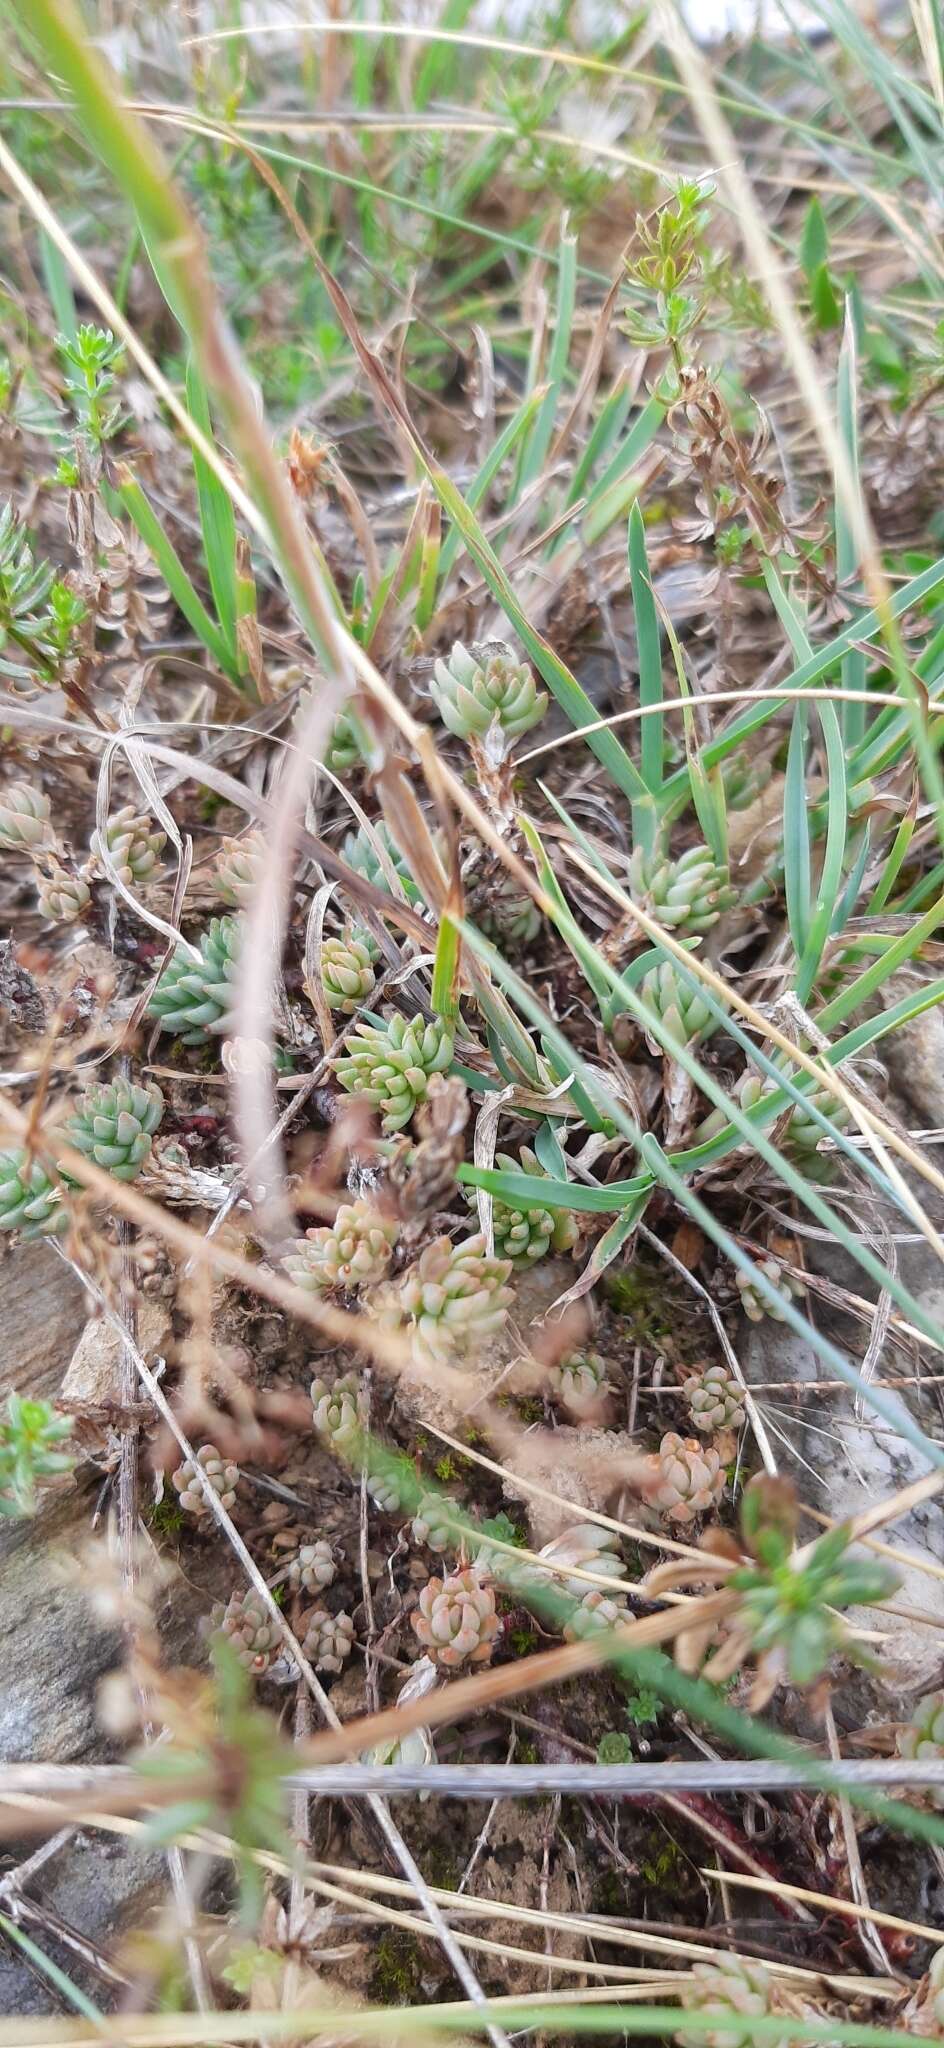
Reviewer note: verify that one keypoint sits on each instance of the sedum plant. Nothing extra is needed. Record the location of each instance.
(677, 1002)
(360, 855)
(433, 1525)
(390, 1064)
(355, 1251)
(113, 1124)
(347, 970)
(193, 997)
(579, 1382)
(134, 844)
(312, 1568)
(684, 1478)
(755, 1304)
(25, 814)
(586, 1548)
(62, 895)
(221, 1475)
(595, 1610)
(32, 1436)
(30, 1200)
(251, 1631)
(526, 1234)
(454, 1300)
(686, 895)
(456, 1620)
(385, 1492)
(328, 1639)
(735, 1988)
(337, 1410)
(714, 1399)
(486, 691)
(801, 1136)
(237, 866)
(923, 1738)
(506, 914)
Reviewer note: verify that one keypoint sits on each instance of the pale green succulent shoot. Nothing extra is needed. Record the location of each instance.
(756, 1304)
(193, 998)
(361, 855)
(312, 1568)
(484, 694)
(250, 1629)
(433, 1525)
(328, 1639)
(579, 1382)
(347, 970)
(684, 1478)
(62, 895)
(801, 1135)
(30, 1200)
(390, 1064)
(714, 1399)
(134, 846)
(113, 1125)
(237, 866)
(677, 1002)
(354, 1251)
(687, 895)
(923, 1739)
(453, 1301)
(219, 1474)
(337, 1411)
(25, 814)
(457, 1620)
(736, 1989)
(525, 1234)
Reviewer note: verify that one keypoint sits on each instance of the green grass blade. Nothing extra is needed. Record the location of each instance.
(666, 1172)
(143, 516)
(503, 446)
(437, 71)
(818, 666)
(897, 855)
(217, 518)
(648, 655)
(824, 907)
(58, 284)
(853, 672)
(72, 1993)
(535, 449)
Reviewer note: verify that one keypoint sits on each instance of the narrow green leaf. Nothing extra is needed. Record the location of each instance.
(814, 240)
(648, 655)
(143, 516)
(534, 451)
(824, 907)
(72, 1993)
(854, 669)
(897, 855)
(58, 284)
(445, 982)
(502, 447)
(815, 669)
(217, 518)
(796, 835)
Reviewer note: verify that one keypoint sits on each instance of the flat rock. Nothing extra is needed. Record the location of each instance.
(52, 1655)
